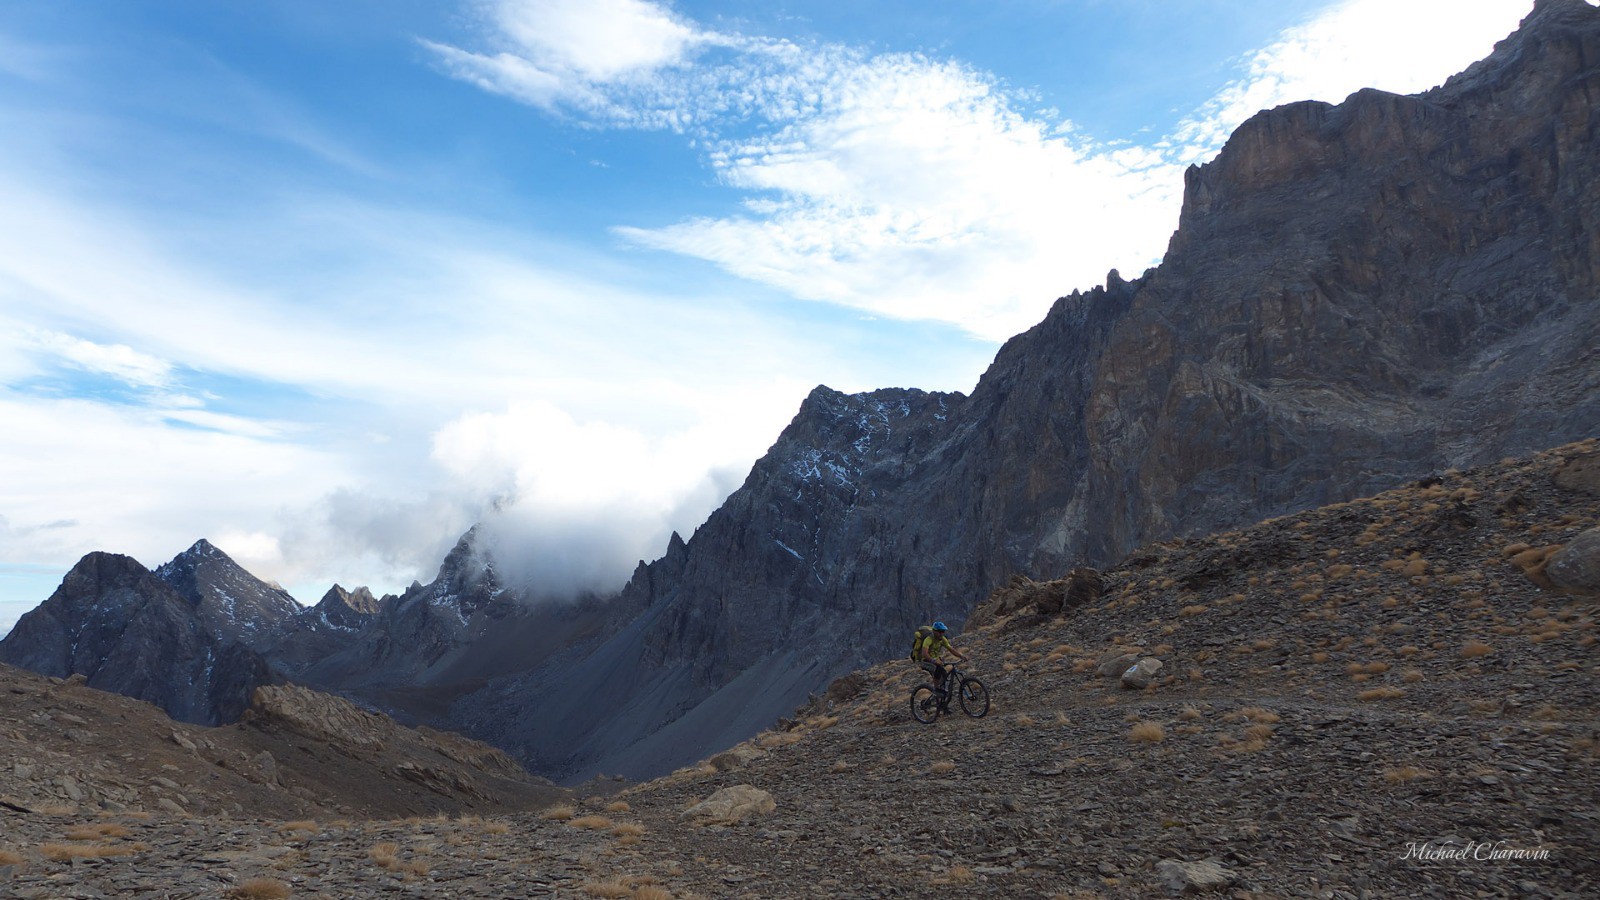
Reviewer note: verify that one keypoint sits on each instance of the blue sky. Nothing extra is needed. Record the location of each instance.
(326, 283)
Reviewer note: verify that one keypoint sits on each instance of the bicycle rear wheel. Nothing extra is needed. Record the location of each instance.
(974, 698)
(924, 704)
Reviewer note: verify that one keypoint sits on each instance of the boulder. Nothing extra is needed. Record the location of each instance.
(1141, 674)
(1183, 877)
(1576, 567)
(1115, 663)
(737, 758)
(1581, 474)
(732, 804)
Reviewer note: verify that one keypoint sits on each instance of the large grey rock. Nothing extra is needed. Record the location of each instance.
(1185, 877)
(732, 804)
(1141, 674)
(1576, 567)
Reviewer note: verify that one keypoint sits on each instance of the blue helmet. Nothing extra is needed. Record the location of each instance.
(939, 626)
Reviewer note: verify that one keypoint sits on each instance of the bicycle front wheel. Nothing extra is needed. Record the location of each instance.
(974, 698)
(924, 704)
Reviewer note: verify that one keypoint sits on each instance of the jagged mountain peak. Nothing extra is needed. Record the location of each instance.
(233, 604)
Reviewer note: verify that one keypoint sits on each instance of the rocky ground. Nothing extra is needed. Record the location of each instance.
(1340, 692)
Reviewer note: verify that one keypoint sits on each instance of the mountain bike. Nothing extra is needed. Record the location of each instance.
(928, 703)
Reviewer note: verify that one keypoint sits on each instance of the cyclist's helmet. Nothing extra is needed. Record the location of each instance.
(940, 626)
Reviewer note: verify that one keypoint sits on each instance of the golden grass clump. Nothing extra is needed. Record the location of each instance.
(608, 889)
(628, 829)
(1189, 714)
(1381, 693)
(261, 889)
(590, 823)
(775, 739)
(1403, 774)
(385, 855)
(496, 827)
(1194, 610)
(651, 892)
(97, 831)
(1147, 733)
(559, 813)
(303, 825)
(69, 852)
(1475, 648)
(1026, 721)
(7, 858)
(618, 806)
(1372, 668)
(942, 767)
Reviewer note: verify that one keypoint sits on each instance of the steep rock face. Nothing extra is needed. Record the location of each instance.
(128, 631)
(232, 604)
(1357, 295)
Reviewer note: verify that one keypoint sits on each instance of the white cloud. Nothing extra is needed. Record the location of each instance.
(136, 485)
(568, 53)
(1400, 46)
(579, 503)
(116, 360)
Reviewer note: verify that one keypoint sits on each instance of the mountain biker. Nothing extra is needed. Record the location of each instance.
(930, 649)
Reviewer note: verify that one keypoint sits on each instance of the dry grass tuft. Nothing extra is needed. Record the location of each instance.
(69, 852)
(1195, 610)
(838, 766)
(1404, 774)
(1381, 693)
(97, 831)
(386, 854)
(652, 892)
(772, 740)
(1260, 714)
(942, 767)
(7, 858)
(618, 806)
(261, 889)
(1147, 733)
(496, 827)
(559, 813)
(305, 825)
(1475, 648)
(612, 889)
(1189, 714)
(590, 823)
(1026, 721)
(628, 829)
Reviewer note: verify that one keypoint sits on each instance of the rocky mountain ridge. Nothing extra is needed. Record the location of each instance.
(1357, 295)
